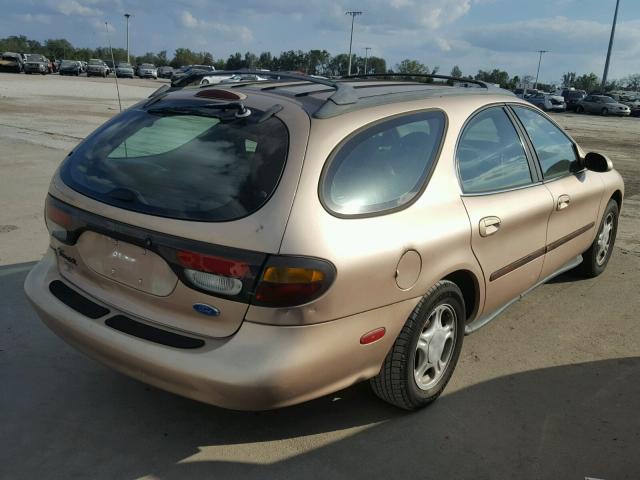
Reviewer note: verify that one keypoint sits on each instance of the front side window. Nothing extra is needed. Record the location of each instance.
(384, 166)
(490, 154)
(555, 151)
(170, 163)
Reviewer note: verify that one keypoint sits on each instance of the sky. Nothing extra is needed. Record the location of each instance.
(474, 34)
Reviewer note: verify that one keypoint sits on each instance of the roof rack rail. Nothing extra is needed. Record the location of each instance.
(480, 83)
(344, 94)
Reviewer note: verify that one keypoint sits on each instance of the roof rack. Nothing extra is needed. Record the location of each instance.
(480, 83)
(344, 93)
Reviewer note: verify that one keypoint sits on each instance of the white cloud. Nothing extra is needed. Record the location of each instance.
(75, 7)
(35, 18)
(223, 29)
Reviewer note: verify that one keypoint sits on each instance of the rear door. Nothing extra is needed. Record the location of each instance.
(507, 204)
(576, 194)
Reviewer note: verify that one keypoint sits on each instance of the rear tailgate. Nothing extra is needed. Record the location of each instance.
(128, 259)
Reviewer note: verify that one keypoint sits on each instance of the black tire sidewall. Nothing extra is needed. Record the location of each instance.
(451, 295)
(592, 266)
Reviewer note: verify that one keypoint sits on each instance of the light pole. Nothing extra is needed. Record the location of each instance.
(613, 31)
(366, 56)
(535, 85)
(353, 14)
(127, 15)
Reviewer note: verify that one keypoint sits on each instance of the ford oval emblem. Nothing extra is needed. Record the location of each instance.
(205, 309)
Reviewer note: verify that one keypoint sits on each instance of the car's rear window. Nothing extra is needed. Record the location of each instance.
(383, 167)
(182, 165)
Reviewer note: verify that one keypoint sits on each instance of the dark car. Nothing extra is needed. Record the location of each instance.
(11, 62)
(602, 104)
(96, 68)
(37, 63)
(165, 72)
(184, 71)
(572, 97)
(69, 67)
(111, 67)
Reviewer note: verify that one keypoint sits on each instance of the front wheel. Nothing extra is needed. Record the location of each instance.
(595, 259)
(423, 357)
(604, 112)
(579, 109)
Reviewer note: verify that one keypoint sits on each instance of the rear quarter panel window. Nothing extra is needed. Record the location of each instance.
(384, 166)
(555, 151)
(490, 154)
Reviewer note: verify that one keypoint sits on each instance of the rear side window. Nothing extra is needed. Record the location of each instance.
(384, 166)
(555, 151)
(181, 165)
(490, 154)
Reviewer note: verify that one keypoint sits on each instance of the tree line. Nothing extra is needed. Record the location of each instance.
(312, 62)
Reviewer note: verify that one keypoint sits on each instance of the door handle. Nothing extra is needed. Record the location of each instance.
(563, 202)
(489, 226)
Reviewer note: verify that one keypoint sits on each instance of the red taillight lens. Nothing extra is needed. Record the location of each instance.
(212, 264)
(58, 216)
(291, 281)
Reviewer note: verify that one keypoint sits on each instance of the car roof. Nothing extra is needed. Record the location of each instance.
(326, 98)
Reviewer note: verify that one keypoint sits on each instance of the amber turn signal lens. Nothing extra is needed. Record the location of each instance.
(292, 275)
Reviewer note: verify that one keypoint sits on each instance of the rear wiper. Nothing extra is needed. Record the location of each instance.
(207, 109)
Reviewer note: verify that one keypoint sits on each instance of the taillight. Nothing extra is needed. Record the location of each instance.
(291, 281)
(58, 220)
(212, 273)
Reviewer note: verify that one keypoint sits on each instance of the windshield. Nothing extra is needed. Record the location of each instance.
(9, 57)
(608, 100)
(67, 63)
(35, 58)
(124, 65)
(175, 164)
(95, 62)
(148, 65)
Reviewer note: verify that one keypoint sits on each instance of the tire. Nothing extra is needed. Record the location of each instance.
(604, 112)
(440, 314)
(596, 258)
(579, 109)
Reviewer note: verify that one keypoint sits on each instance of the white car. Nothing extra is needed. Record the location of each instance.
(147, 70)
(214, 79)
(548, 102)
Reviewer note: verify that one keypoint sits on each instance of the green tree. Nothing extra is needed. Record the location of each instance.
(496, 76)
(587, 82)
(456, 72)
(568, 79)
(235, 62)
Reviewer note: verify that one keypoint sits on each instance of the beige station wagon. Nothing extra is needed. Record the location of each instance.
(261, 244)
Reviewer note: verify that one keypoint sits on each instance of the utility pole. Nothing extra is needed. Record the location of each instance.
(606, 63)
(127, 15)
(366, 56)
(353, 14)
(535, 85)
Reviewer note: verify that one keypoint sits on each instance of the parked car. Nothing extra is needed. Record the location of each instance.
(258, 248)
(634, 105)
(603, 105)
(244, 77)
(96, 68)
(124, 70)
(572, 97)
(183, 71)
(110, 66)
(548, 102)
(11, 62)
(214, 79)
(165, 71)
(147, 70)
(37, 63)
(69, 67)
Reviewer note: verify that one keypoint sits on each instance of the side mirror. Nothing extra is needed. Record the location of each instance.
(596, 162)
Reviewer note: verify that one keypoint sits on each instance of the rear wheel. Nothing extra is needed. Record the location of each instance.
(423, 357)
(595, 259)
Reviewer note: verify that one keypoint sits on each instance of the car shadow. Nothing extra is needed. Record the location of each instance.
(66, 417)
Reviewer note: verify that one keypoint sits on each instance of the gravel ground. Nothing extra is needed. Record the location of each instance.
(549, 390)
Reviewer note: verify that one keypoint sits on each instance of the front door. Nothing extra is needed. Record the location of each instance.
(577, 195)
(507, 205)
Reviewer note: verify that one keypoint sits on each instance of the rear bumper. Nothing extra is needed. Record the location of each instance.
(260, 367)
